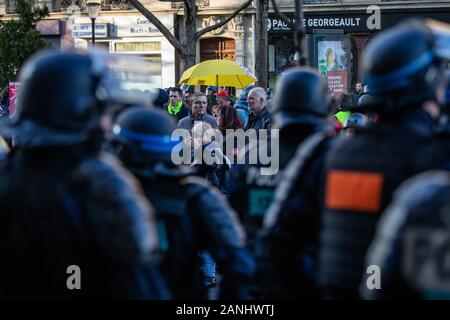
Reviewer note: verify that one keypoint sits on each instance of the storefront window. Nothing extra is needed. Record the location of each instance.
(282, 56)
(155, 68)
(150, 52)
(333, 57)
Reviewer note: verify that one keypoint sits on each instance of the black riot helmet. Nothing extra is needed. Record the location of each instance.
(142, 137)
(444, 93)
(301, 97)
(62, 96)
(402, 66)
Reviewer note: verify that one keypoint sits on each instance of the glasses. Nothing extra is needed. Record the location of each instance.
(173, 96)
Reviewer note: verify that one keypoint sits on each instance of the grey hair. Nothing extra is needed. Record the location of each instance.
(197, 95)
(260, 93)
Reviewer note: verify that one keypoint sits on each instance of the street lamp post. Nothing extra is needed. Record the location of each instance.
(297, 26)
(93, 8)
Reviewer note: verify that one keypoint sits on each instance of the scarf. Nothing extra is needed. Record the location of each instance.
(174, 110)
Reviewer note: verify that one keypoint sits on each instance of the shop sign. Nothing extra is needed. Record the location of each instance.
(139, 26)
(318, 23)
(85, 30)
(371, 20)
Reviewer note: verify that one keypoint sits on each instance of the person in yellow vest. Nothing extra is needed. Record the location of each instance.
(175, 107)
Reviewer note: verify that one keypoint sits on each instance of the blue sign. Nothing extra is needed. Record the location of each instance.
(85, 30)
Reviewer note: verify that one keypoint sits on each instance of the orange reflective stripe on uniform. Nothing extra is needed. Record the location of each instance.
(354, 191)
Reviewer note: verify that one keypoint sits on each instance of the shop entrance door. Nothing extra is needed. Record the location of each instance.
(217, 48)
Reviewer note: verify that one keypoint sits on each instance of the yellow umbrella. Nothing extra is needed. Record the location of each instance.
(219, 73)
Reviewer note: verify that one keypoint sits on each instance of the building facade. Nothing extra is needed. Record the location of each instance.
(119, 28)
(336, 32)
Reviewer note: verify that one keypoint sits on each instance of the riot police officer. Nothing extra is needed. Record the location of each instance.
(300, 108)
(286, 249)
(192, 215)
(409, 253)
(410, 246)
(402, 70)
(74, 224)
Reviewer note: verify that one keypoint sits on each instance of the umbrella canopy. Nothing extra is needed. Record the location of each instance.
(219, 73)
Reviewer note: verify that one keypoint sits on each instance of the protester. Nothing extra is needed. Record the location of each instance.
(198, 113)
(208, 157)
(212, 101)
(176, 107)
(260, 117)
(197, 224)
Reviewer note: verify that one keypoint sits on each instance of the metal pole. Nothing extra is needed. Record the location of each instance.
(296, 25)
(93, 32)
(299, 32)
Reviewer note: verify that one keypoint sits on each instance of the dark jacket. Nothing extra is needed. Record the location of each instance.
(184, 112)
(287, 247)
(411, 241)
(262, 120)
(189, 121)
(214, 166)
(251, 193)
(62, 207)
(194, 216)
(212, 101)
(360, 175)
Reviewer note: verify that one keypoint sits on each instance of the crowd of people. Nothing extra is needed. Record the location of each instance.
(357, 208)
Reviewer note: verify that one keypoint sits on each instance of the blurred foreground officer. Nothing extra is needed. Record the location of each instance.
(192, 215)
(411, 247)
(300, 108)
(287, 249)
(73, 223)
(403, 71)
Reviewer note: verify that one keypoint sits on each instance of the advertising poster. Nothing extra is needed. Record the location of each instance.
(338, 81)
(332, 62)
(13, 89)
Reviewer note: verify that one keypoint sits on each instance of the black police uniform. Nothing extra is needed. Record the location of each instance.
(64, 204)
(62, 209)
(192, 215)
(411, 242)
(362, 171)
(300, 106)
(411, 245)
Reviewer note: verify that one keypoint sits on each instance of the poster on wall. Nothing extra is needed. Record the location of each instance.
(338, 81)
(333, 63)
(13, 90)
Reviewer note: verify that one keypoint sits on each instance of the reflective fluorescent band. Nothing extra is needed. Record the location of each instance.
(148, 142)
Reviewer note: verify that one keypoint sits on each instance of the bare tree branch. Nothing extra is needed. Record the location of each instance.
(161, 27)
(282, 16)
(221, 23)
(188, 4)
